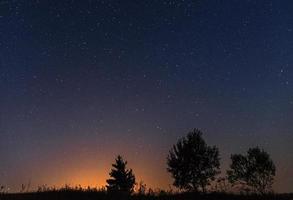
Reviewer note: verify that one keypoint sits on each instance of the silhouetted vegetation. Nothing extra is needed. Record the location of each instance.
(254, 172)
(123, 180)
(192, 163)
(93, 194)
(142, 188)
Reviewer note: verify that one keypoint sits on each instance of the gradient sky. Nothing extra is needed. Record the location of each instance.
(83, 81)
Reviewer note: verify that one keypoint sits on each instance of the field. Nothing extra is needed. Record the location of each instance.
(100, 195)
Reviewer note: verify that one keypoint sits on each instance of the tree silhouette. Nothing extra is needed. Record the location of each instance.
(192, 163)
(123, 180)
(255, 171)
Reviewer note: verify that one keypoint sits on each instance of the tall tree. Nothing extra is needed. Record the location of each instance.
(254, 171)
(123, 180)
(192, 163)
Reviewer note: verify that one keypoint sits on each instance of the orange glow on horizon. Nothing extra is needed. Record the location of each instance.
(86, 174)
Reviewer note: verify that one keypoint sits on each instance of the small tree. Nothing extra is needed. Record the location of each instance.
(192, 163)
(254, 171)
(123, 180)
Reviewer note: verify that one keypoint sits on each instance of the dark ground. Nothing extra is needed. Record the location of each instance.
(81, 195)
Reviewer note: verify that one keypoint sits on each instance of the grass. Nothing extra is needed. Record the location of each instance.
(93, 194)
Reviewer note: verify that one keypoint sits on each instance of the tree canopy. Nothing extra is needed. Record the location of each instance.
(122, 179)
(254, 172)
(192, 163)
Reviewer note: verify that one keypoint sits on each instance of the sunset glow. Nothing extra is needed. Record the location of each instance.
(83, 81)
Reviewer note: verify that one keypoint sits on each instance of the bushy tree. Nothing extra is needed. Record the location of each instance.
(192, 163)
(123, 180)
(254, 171)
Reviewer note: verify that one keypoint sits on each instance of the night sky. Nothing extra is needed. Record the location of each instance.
(83, 81)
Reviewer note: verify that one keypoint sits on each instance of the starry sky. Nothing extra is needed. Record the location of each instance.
(83, 81)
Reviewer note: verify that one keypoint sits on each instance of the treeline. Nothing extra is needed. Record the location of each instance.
(194, 166)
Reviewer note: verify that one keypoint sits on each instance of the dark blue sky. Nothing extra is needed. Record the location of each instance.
(81, 81)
